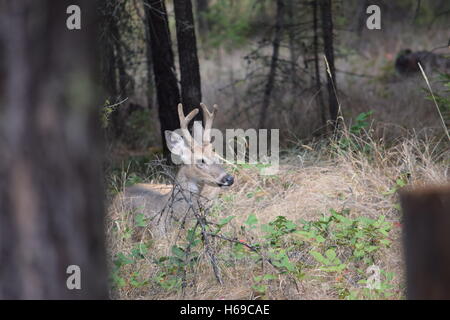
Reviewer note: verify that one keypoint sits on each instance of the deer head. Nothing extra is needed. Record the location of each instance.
(202, 164)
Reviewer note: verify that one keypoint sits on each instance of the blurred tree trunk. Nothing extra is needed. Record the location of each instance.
(51, 192)
(163, 67)
(426, 217)
(202, 10)
(319, 95)
(273, 64)
(191, 94)
(327, 34)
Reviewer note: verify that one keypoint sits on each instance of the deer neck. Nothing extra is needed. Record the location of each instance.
(186, 183)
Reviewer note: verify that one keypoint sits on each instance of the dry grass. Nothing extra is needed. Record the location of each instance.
(313, 179)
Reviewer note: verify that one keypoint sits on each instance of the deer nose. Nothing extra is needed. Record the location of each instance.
(227, 180)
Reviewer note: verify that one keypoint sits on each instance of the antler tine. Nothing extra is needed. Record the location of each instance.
(208, 117)
(184, 121)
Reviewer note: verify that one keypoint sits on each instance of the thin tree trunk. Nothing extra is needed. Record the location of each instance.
(202, 9)
(292, 46)
(108, 58)
(191, 93)
(273, 64)
(319, 95)
(327, 30)
(51, 193)
(151, 93)
(115, 79)
(163, 67)
(119, 114)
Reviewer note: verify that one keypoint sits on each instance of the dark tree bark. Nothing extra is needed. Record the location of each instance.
(273, 64)
(116, 80)
(426, 214)
(293, 46)
(318, 83)
(191, 94)
(108, 58)
(151, 90)
(327, 33)
(163, 67)
(51, 193)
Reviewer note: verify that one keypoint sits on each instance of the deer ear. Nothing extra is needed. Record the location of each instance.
(176, 144)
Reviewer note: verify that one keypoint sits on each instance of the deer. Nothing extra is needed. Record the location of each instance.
(200, 170)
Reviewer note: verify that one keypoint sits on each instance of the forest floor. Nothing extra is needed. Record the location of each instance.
(326, 226)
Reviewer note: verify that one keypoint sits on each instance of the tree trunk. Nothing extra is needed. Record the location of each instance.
(163, 67)
(327, 30)
(273, 64)
(151, 93)
(319, 95)
(115, 80)
(191, 94)
(202, 9)
(118, 116)
(426, 215)
(293, 47)
(51, 193)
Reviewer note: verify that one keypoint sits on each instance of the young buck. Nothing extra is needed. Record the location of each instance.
(200, 168)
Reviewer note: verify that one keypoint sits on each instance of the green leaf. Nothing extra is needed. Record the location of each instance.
(371, 248)
(269, 277)
(331, 254)
(141, 220)
(225, 221)
(319, 257)
(178, 252)
(260, 288)
(251, 220)
(122, 260)
(400, 182)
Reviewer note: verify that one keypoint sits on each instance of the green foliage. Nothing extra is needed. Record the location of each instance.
(336, 242)
(119, 277)
(361, 123)
(231, 22)
(330, 261)
(363, 236)
(384, 291)
(105, 114)
(443, 98)
(354, 139)
(138, 129)
(174, 268)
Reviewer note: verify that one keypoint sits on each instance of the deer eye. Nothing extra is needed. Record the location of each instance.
(201, 163)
